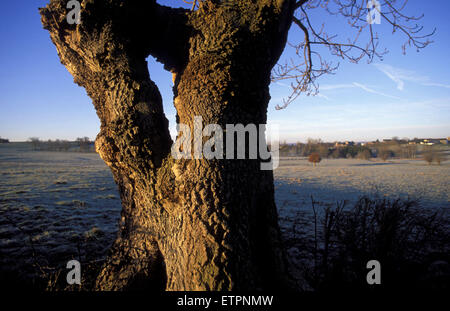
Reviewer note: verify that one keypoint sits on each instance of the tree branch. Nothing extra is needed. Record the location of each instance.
(300, 3)
(355, 12)
(106, 55)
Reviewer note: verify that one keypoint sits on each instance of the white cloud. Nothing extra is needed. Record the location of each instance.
(447, 86)
(322, 96)
(399, 76)
(354, 85)
(367, 89)
(335, 86)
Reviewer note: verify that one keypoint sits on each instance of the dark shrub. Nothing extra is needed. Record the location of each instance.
(314, 158)
(411, 244)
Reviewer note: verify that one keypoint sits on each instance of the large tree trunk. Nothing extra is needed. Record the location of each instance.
(186, 224)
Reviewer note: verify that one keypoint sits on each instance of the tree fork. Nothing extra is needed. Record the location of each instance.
(186, 224)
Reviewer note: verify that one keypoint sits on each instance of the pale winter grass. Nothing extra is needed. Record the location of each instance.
(55, 207)
(333, 180)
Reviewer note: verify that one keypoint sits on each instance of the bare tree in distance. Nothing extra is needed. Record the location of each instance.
(409, 151)
(364, 154)
(35, 142)
(323, 150)
(384, 153)
(428, 155)
(433, 154)
(198, 224)
(84, 143)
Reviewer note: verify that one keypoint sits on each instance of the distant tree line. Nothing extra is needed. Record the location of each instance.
(325, 150)
(82, 144)
(392, 148)
(4, 140)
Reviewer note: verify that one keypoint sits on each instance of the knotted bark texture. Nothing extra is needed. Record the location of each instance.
(186, 224)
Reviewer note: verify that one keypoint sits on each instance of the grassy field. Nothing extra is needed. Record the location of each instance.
(339, 181)
(56, 206)
(296, 180)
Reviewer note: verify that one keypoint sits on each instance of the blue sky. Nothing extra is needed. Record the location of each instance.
(403, 95)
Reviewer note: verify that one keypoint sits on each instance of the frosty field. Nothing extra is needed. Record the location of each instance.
(56, 206)
(333, 180)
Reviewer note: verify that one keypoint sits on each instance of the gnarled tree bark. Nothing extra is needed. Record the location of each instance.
(186, 224)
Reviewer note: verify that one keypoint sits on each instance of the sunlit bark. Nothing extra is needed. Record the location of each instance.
(186, 224)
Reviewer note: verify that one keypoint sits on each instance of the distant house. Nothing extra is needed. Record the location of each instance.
(427, 142)
(433, 141)
(4, 141)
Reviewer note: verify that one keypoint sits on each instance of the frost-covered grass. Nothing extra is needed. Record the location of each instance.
(58, 206)
(333, 180)
(54, 207)
(343, 182)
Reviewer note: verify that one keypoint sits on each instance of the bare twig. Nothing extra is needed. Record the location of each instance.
(362, 43)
